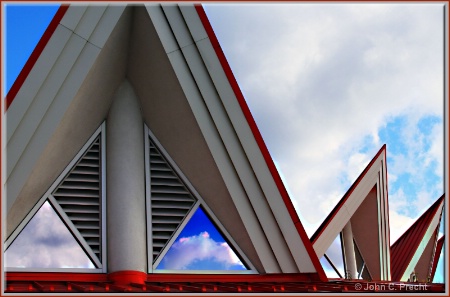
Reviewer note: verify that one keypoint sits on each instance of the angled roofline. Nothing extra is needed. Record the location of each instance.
(11, 95)
(241, 101)
(402, 242)
(259, 140)
(432, 209)
(344, 198)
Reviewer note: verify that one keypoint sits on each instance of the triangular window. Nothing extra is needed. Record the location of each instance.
(328, 267)
(79, 196)
(171, 201)
(363, 272)
(200, 246)
(183, 233)
(46, 242)
(72, 208)
(335, 259)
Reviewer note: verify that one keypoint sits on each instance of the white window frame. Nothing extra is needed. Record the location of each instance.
(151, 267)
(100, 263)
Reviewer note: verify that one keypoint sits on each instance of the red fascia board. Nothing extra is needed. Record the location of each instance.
(56, 276)
(341, 202)
(163, 277)
(232, 278)
(437, 254)
(258, 137)
(35, 55)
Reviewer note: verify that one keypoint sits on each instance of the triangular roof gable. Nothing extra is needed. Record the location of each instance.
(361, 201)
(405, 251)
(77, 196)
(188, 24)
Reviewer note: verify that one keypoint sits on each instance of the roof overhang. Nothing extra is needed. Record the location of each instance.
(365, 207)
(415, 250)
(189, 99)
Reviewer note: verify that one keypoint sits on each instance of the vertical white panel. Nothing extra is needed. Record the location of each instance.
(126, 183)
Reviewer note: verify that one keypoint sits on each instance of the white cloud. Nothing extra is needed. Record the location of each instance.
(398, 224)
(398, 221)
(436, 149)
(46, 243)
(186, 252)
(322, 79)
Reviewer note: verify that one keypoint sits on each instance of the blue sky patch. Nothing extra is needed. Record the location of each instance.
(200, 246)
(28, 22)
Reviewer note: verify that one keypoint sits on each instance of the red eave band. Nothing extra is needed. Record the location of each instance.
(125, 277)
(262, 146)
(35, 55)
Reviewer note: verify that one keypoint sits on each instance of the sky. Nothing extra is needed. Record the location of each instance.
(328, 85)
(46, 235)
(200, 246)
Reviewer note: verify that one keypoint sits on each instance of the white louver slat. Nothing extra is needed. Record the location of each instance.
(171, 201)
(79, 195)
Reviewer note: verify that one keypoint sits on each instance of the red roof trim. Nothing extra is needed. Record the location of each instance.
(437, 254)
(160, 277)
(341, 202)
(56, 276)
(432, 209)
(35, 55)
(175, 283)
(258, 137)
(406, 245)
(276, 277)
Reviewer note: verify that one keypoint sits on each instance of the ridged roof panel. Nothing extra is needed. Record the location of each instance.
(405, 247)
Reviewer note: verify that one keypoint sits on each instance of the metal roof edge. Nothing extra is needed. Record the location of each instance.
(432, 209)
(259, 140)
(344, 198)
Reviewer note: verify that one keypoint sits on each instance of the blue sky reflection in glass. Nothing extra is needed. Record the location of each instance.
(46, 242)
(200, 246)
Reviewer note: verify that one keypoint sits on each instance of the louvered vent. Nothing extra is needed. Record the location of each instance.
(79, 196)
(170, 200)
